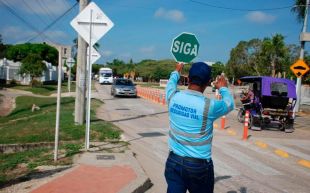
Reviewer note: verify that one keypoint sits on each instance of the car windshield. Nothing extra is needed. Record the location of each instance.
(106, 74)
(124, 82)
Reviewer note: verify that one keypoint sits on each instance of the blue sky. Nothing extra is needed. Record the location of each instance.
(144, 29)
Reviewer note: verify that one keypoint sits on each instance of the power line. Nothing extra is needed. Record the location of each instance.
(50, 13)
(53, 22)
(6, 4)
(33, 11)
(239, 9)
(45, 10)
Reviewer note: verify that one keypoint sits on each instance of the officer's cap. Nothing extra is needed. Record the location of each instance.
(200, 73)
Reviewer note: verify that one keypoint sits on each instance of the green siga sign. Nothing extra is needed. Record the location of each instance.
(185, 47)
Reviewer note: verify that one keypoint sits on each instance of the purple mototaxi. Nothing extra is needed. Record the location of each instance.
(275, 99)
(266, 81)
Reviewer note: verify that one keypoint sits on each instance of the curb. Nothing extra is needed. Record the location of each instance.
(142, 183)
(144, 187)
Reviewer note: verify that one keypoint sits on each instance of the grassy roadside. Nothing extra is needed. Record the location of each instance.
(45, 90)
(16, 165)
(24, 126)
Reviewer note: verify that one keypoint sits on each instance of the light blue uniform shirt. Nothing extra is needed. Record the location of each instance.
(191, 116)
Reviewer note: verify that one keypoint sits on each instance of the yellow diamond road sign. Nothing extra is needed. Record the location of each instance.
(299, 68)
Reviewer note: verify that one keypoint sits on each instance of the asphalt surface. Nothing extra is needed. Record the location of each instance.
(269, 161)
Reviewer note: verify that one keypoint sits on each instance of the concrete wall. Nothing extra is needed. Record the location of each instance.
(12, 148)
(305, 95)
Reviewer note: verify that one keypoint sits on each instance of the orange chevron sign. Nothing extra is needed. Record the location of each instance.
(299, 68)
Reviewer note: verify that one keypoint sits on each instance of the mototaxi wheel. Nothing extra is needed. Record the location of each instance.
(241, 115)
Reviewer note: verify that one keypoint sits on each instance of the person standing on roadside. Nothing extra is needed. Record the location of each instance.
(189, 165)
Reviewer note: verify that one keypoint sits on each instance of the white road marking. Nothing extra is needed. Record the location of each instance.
(251, 163)
(222, 169)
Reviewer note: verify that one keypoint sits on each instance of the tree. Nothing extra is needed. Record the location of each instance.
(238, 63)
(20, 51)
(275, 52)
(33, 66)
(95, 68)
(299, 9)
(118, 67)
(217, 69)
(3, 48)
(259, 57)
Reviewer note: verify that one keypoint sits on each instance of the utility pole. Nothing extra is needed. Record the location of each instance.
(301, 56)
(80, 102)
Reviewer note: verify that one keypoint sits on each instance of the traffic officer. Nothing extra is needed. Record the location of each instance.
(191, 114)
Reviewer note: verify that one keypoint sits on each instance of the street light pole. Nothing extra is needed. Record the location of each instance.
(301, 56)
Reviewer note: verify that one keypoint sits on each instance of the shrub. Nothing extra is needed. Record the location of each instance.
(13, 82)
(36, 83)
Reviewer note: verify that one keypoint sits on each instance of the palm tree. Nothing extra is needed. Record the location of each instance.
(275, 51)
(299, 9)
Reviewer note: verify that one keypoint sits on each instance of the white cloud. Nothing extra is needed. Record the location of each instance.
(13, 34)
(260, 17)
(147, 50)
(56, 35)
(126, 56)
(171, 15)
(46, 7)
(106, 53)
(17, 34)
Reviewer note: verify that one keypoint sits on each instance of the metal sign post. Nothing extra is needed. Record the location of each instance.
(89, 84)
(91, 24)
(69, 63)
(58, 105)
(93, 56)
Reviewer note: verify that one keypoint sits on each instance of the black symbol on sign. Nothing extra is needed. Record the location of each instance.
(299, 74)
(300, 68)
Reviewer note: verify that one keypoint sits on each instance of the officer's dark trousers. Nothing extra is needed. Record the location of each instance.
(194, 175)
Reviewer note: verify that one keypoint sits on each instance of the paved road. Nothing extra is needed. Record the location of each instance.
(270, 161)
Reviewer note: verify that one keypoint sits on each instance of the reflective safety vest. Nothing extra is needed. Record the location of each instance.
(191, 116)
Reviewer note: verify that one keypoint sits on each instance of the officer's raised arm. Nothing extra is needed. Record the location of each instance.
(173, 81)
(226, 104)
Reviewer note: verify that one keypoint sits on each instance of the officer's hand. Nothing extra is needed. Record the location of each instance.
(220, 82)
(179, 67)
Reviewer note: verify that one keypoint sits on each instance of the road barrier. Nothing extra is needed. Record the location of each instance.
(246, 125)
(152, 94)
(223, 122)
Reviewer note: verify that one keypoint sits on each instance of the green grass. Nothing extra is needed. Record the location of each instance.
(14, 165)
(45, 90)
(24, 126)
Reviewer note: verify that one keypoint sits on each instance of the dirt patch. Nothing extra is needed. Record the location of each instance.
(7, 104)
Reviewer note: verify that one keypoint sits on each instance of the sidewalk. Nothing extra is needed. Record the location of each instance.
(96, 172)
(92, 172)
